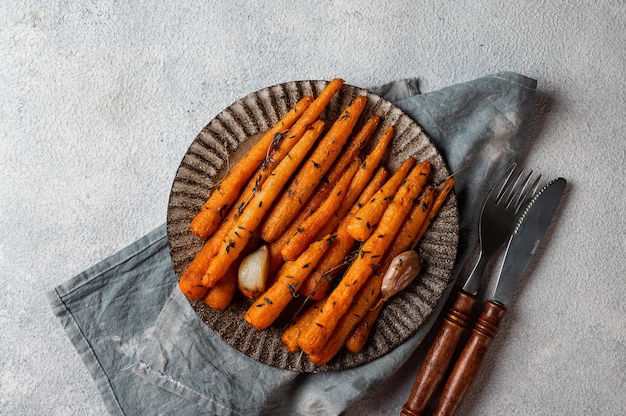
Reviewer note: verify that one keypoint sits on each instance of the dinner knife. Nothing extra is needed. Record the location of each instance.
(521, 248)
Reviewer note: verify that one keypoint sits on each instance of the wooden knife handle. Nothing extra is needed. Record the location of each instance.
(440, 354)
(468, 364)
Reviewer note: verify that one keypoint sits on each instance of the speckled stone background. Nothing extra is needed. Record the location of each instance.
(100, 100)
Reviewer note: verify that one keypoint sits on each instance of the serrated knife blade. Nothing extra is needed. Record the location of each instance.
(527, 238)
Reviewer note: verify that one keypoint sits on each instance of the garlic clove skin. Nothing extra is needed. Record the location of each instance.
(404, 268)
(253, 273)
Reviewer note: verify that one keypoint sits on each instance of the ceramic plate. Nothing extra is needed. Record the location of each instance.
(222, 142)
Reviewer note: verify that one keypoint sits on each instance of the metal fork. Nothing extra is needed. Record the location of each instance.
(498, 219)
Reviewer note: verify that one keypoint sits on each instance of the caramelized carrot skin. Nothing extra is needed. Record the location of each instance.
(314, 337)
(212, 212)
(312, 172)
(253, 214)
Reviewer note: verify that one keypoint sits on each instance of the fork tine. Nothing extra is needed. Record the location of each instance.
(497, 196)
(527, 191)
(514, 189)
(518, 190)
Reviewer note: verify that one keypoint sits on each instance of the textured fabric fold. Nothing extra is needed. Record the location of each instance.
(150, 354)
(185, 358)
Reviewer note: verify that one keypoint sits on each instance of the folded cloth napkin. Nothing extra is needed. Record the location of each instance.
(148, 351)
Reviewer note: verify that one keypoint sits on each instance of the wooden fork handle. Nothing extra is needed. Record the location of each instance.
(440, 354)
(468, 364)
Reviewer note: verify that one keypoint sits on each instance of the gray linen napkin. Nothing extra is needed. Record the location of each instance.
(150, 354)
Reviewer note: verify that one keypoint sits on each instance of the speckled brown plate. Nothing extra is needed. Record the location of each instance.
(225, 138)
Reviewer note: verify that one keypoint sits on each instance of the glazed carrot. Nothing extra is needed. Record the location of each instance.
(291, 334)
(441, 197)
(212, 212)
(222, 293)
(366, 218)
(318, 283)
(305, 113)
(335, 343)
(361, 179)
(312, 172)
(322, 191)
(248, 222)
(308, 230)
(359, 335)
(219, 296)
(190, 282)
(369, 295)
(264, 311)
(316, 334)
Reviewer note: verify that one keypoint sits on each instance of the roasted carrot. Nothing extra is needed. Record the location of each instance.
(366, 218)
(335, 342)
(312, 172)
(322, 191)
(361, 178)
(441, 197)
(275, 258)
(365, 299)
(306, 111)
(219, 296)
(291, 334)
(349, 153)
(276, 246)
(316, 334)
(368, 296)
(310, 116)
(308, 230)
(249, 220)
(359, 335)
(273, 301)
(318, 283)
(190, 282)
(351, 150)
(415, 221)
(212, 212)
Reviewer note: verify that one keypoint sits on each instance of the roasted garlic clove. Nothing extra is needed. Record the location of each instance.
(404, 268)
(253, 273)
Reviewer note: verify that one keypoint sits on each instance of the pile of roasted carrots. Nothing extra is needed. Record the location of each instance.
(330, 219)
